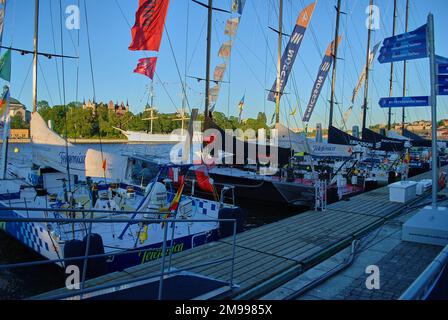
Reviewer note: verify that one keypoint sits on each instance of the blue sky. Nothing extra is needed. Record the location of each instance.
(252, 66)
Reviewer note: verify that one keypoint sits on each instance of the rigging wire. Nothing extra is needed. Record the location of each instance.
(156, 74)
(55, 50)
(93, 83)
(64, 101)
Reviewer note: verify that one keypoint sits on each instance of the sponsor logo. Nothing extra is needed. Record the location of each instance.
(155, 254)
(72, 158)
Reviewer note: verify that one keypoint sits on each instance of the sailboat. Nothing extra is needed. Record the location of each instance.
(286, 184)
(111, 187)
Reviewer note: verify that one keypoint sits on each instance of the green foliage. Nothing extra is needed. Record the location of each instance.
(83, 123)
(18, 123)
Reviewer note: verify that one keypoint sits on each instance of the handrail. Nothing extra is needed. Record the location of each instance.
(423, 285)
(86, 257)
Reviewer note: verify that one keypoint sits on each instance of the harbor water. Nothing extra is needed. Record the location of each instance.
(25, 282)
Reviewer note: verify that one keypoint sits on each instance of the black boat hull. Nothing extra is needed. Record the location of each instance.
(268, 192)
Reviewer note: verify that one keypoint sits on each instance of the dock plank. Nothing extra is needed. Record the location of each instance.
(272, 250)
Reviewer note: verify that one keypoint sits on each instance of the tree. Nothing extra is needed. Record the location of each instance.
(18, 123)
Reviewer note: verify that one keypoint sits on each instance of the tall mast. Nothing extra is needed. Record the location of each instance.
(403, 115)
(366, 86)
(391, 81)
(209, 48)
(36, 45)
(279, 62)
(335, 58)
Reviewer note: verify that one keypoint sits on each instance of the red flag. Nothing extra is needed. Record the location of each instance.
(104, 165)
(204, 182)
(146, 67)
(149, 22)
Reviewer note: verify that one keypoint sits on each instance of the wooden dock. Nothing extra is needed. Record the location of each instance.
(271, 255)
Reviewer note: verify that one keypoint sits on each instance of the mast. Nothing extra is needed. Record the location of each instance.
(366, 86)
(209, 48)
(403, 115)
(391, 80)
(36, 47)
(335, 58)
(279, 62)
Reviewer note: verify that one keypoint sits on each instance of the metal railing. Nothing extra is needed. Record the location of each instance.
(425, 283)
(163, 270)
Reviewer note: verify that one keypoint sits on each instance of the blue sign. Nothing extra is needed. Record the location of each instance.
(418, 43)
(441, 60)
(406, 46)
(442, 79)
(402, 55)
(443, 91)
(404, 102)
(416, 34)
(443, 68)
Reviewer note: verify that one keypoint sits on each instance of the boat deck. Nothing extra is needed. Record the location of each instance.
(272, 255)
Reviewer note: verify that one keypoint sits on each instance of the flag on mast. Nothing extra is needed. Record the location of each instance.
(241, 107)
(5, 118)
(238, 6)
(320, 81)
(149, 24)
(361, 79)
(291, 50)
(146, 67)
(5, 66)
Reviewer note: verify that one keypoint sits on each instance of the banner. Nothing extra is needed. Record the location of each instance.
(320, 81)
(361, 80)
(226, 50)
(290, 54)
(149, 24)
(5, 119)
(364, 71)
(5, 66)
(214, 93)
(232, 27)
(241, 107)
(146, 67)
(238, 6)
(218, 74)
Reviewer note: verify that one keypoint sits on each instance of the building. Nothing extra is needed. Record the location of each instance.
(17, 108)
(118, 109)
(19, 134)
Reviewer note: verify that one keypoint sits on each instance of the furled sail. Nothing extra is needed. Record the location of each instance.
(291, 50)
(320, 81)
